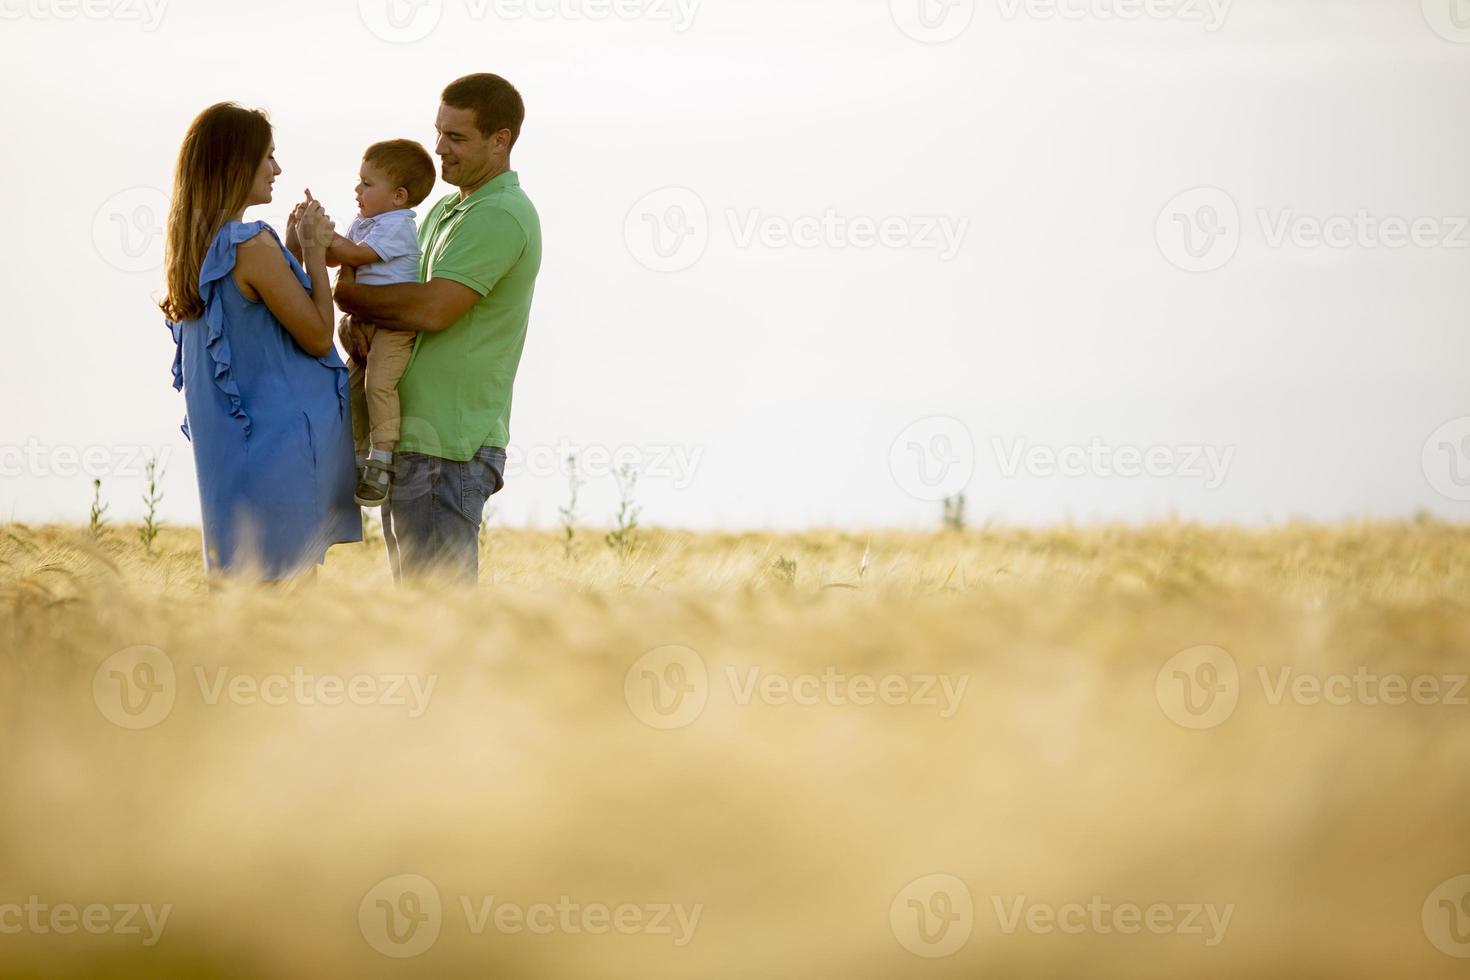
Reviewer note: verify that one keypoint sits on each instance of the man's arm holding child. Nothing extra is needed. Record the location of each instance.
(484, 247)
(417, 306)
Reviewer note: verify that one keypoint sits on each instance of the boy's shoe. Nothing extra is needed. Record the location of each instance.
(372, 483)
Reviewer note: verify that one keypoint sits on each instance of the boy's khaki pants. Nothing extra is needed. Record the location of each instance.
(374, 386)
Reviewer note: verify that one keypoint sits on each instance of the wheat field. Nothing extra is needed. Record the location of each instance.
(1158, 751)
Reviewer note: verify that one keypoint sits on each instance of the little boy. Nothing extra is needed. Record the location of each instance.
(382, 244)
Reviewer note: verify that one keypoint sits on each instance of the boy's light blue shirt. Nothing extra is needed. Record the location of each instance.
(393, 236)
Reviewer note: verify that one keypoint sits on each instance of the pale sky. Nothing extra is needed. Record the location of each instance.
(820, 262)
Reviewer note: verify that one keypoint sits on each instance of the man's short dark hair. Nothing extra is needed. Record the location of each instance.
(407, 165)
(495, 102)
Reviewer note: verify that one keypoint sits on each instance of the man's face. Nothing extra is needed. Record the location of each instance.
(465, 154)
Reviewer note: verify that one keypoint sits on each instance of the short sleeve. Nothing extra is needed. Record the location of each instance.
(485, 245)
(393, 240)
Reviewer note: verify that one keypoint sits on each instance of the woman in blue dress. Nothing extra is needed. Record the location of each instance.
(265, 392)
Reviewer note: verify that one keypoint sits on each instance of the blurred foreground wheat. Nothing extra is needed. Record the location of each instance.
(963, 755)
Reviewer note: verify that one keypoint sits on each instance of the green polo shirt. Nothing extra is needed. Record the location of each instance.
(455, 393)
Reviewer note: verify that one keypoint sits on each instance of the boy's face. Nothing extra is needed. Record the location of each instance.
(376, 193)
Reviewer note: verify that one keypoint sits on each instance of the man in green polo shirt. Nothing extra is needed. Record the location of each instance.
(481, 253)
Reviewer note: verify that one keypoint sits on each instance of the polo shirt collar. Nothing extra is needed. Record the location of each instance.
(388, 214)
(507, 179)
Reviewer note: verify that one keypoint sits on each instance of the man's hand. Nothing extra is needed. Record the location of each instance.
(354, 341)
(346, 279)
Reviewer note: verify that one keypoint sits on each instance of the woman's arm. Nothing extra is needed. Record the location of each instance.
(307, 317)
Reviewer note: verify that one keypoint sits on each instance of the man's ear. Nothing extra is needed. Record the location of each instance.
(502, 141)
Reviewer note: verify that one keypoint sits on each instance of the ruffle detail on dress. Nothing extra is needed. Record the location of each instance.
(219, 262)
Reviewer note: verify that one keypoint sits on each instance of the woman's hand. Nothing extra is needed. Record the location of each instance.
(293, 229)
(315, 228)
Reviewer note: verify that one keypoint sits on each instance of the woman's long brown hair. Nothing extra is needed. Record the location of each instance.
(221, 155)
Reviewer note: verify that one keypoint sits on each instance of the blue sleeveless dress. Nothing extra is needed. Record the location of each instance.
(271, 427)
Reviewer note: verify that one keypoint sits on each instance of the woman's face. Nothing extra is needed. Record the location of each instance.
(265, 177)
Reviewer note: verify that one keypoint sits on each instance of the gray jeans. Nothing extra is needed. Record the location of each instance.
(431, 520)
